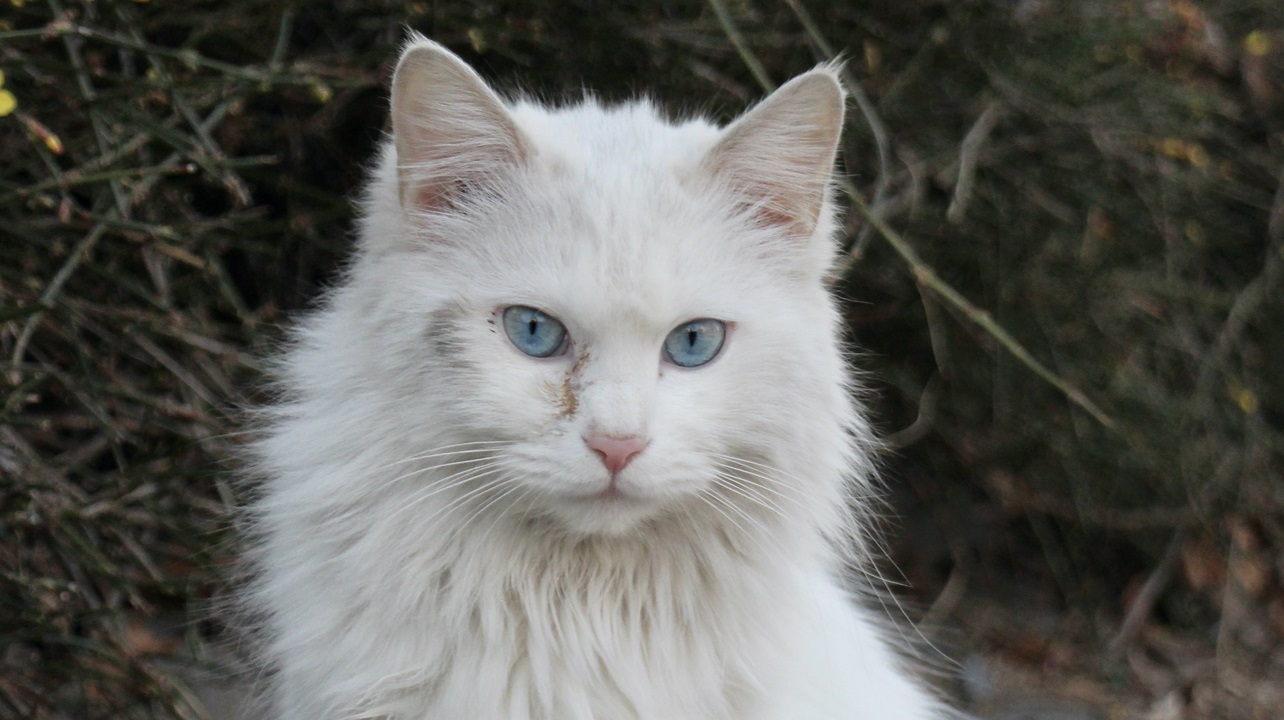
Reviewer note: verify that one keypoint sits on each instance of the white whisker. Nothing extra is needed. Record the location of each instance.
(446, 451)
(759, 533)
(509, 487)
(769, 483)
(462, 477)
(485, 536)
(738, 486)
(773, 473)
(461, 501)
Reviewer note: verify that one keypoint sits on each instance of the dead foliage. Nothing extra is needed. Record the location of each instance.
(1066, 243)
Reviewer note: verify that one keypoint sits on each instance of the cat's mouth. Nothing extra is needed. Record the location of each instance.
(611, 509)
(613, 494)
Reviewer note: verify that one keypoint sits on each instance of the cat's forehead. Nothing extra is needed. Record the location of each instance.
(639, 253)
(593, 136)
(626, 268)
(611, 225)
(620, 181)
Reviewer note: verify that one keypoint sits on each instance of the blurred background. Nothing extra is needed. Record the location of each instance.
(1064, 280)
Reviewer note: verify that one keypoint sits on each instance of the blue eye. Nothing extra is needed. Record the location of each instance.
(695, 343)
(533, 332)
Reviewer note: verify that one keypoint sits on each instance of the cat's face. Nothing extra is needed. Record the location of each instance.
(625, 358)
(610, 335)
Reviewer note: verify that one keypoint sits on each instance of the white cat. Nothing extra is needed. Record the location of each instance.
(574, 439)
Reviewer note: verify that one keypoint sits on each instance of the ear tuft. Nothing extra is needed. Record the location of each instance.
(451, 131)
(780, 154)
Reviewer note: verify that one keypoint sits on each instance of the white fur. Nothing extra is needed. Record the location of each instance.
(430, 542)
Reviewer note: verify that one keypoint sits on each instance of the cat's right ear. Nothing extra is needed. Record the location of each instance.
(452, 132)
(780, 155)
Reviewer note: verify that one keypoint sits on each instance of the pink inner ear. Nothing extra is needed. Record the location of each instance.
(438, 194)
(791, 207)
(446, 182)
(800, 222)
(430, 197)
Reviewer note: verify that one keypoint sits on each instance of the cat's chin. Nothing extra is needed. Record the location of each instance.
(605, 514)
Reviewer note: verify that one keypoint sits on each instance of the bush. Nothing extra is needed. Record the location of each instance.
(1066, 245)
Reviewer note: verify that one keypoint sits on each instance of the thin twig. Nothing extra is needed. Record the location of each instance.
(926, 276)
(187, 57)
(925, 420)
(968, 152)
(214, 159)
(74, 178)
(882, 145)
(1145, 599)
(72, 45)
(282, 44)
(51, 291)
(948, 599)
(1250, 298)
(738, 42)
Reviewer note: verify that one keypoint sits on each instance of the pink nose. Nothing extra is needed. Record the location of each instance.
(616, 452)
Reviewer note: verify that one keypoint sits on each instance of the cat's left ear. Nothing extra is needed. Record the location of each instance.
(779, 156)
(452, 132)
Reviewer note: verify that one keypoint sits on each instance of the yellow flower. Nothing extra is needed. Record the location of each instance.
(1246, 400)
(1173, 147)
(1257, 43)
(7, 101)
(320, 91)
(1197, 155)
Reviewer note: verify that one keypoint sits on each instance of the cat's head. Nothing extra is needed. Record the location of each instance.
(605, 318)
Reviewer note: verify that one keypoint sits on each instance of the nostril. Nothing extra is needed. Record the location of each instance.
(616, 452)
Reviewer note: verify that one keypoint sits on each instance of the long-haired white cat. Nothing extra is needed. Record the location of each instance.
(574, 439)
